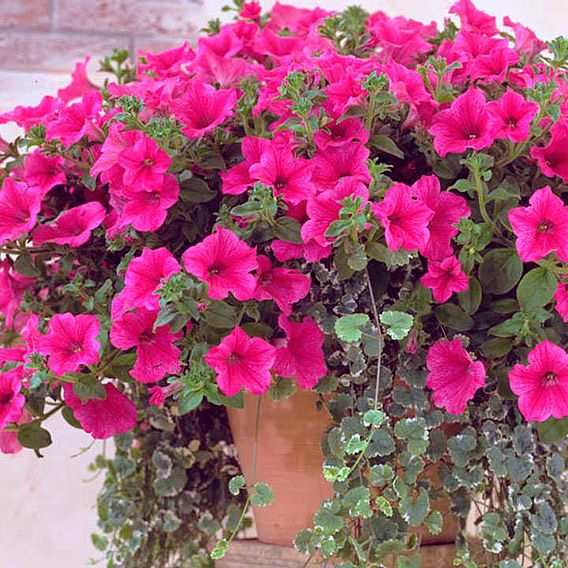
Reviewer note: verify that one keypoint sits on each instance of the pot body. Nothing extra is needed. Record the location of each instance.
(289, 459)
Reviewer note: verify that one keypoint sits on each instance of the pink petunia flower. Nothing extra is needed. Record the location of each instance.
(145, 275)
(71, 341)
(144, 165)
(474, 20)
(340, 162)
(561, 297)
(285, 286)
(324, 208)
(28, 116)
(102, 417)
(240, 362)
(73, 227)
(464, 125)
(453, 375)
(77, 120)
(11, 399)
(224, 262)
(448, 208)
(553, 158)
(19, 206)
(494, 66)
(542, 385)
(404, 218)
(236, 180)
(9, 443)
(348, 130)
(157, 356)
(202, 108)
(288, 175)
(13, 286)
(311, 251)
(80, 84)
(43, 172)
(542, 227)
(512, 116)
(444, 277)
(301, 356)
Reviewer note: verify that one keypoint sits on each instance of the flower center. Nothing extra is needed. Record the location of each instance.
(234, 359)
(279, 184)
(550, 378)
(148, 162)
(76, 347)
(215, 269)
(5, 399)
(511, 123)
(545, 226)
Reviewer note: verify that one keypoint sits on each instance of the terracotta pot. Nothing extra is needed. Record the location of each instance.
(289, 459)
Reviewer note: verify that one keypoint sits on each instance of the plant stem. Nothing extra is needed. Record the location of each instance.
(380, 335)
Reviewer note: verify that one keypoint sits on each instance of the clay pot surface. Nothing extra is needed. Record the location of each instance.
(289, 459)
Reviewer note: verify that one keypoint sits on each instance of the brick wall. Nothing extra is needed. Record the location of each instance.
(48, 36)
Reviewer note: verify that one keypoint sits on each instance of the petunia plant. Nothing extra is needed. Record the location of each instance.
(366, 206)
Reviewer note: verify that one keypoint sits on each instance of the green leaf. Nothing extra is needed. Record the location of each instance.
(387, 145)
(357, 501)
(435, 522)
(470, 299)
(100, 542)
(89, 388)
(69, 417)
(173, 484)
(398, 323)
(493, 532)
(384, 506)
(32, 435)
(414, 511)
(350, 328)
(188, 400)
(500, 271)
(381, 474)
(288, 229)
(373, 418)
(453, 317)
(236, 484)
(24, 265)
(263, 495)
(220, 549)
(195, 190)
(544, 520)
(221, 315)
(282, 388)
(536, 288)
(327, 521)
(553, 430)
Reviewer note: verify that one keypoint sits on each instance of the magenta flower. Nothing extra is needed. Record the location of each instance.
(102, 417)
(73, 227)
(43, 172)
(144, 165)
(512, 116)
(339, 162)
(553, 158)
(464, 125)
(202, 108)
(147, 210)
(71, 341)
(288, 175)
(285, 286)
(542, 385)
(145, 275)
(404, 218)
(77, 120)
(561, 297)
(80, 84)
(448, 208)
(542, 227)
(11, 400)
(19, 206)
(13, 286)
(224, 262)
(240, 362)
(156, 354)
(237, 179)
(300, 356)
(445, 277)
(324, 208)
(453, 375)
(474, 20)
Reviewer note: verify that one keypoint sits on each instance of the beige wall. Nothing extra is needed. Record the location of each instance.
(46, 508)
